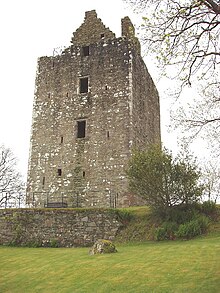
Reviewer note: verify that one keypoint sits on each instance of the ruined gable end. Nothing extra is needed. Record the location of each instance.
(91, 31)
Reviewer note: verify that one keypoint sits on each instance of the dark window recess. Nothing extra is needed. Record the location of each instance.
(84, 174)
(102, 36)
(106, 87)
(53, 64)
(107, 134)
(43, 181)
(67, 95)
(83, 85)
(61, 139)
(49, 95)
(81, 129)
(59, 172)
(85, 51)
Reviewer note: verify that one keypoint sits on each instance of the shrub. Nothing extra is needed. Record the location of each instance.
(166, 231)
(162, 180)
(123, 215)
(54, 243)
(193, 228)
(179, 214)
(209, 208)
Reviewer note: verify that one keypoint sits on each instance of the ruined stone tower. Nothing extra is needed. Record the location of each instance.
(94, 102)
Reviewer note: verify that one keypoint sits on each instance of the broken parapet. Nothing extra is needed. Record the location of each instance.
(128, 31)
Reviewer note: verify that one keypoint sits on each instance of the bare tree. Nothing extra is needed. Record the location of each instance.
(11, 184)
(211, 181)
(185, 37)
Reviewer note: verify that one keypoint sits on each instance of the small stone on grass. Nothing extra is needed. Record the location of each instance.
(102, 246)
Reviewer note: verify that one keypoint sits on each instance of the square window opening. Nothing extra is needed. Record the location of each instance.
(85, 51)
(83, 85)
(81, 129)
(59, 172)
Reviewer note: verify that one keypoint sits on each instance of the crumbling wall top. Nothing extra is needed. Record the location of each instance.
(128, 31)
(91, 31)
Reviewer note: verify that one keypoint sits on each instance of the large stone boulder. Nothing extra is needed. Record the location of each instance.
(102, 246)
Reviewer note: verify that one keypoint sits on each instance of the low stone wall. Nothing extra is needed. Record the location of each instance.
(57, 227)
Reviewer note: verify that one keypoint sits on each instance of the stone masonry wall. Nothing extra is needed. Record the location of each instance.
(57, 227)
(94, 166)
(117, 107)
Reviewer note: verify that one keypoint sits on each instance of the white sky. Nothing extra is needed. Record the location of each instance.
(33, 28)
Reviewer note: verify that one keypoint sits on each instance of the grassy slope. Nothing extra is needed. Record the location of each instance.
(142, 227)
(172, 266)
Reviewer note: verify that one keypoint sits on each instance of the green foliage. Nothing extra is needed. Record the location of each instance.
(164, 181)
(209, 208)
(146, 225)
(123, 215)
(198, 225)
(193, 228)
(166, 231)
(54, 243)
(178, 214)
(33, 244)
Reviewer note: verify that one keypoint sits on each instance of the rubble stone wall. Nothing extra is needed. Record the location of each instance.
(57, 227)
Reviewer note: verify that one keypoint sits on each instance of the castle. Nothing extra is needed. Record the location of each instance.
(94, 102)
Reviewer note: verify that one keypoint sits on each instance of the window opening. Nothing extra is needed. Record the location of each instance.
(107, 134)
(84, 174)
(106, 87)
(67, 95)
(85, 51)
(49, 95)
(81, 129)
(43, 181)
(59, 172)
(61, 139)
(102, 36)
(83, 85)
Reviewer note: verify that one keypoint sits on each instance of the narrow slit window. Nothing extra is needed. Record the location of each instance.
(61, 139)
(85, 51)
(43, 181)
(67, 94)
(59, 172)
(81, 129)
(84, 174)
(83, 85)
(107, 134)
(49, 95)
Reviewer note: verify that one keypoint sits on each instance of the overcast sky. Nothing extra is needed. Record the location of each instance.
(33, 28)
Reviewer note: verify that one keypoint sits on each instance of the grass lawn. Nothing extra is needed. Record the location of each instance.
(178, 266)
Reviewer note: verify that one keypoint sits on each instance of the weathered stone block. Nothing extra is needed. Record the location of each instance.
(102, 246)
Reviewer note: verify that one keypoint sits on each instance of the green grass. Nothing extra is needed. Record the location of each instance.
(178, 266)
